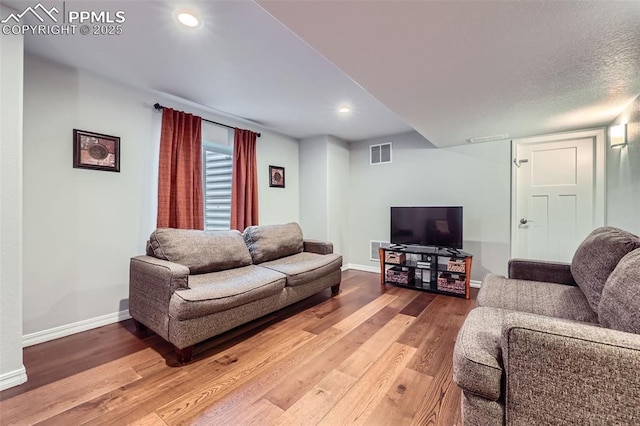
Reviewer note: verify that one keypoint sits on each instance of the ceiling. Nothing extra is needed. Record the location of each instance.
(450, 70)
(457, 70)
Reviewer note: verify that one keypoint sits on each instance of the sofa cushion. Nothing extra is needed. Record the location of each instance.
(536, 297)
(200, 251)
(305, 267)
(597, 257)
(269, 242)
(477, 357)
(620, 303)
(219, 291)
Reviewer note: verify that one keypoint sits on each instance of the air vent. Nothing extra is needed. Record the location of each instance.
(374, 246)
(380, 154)
(489, 138)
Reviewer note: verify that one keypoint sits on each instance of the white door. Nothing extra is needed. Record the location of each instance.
(555, 196)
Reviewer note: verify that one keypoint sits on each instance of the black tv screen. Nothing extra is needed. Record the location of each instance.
(427, 226)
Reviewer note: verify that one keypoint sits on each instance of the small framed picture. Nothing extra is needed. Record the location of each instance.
(96, 151)
(276, 176)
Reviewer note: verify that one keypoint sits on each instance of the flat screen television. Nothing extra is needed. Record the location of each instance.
(427, 226)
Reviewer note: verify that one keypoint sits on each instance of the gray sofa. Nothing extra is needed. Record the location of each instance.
(556, 344)
(192, 285)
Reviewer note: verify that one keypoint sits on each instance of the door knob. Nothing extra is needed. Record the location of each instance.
(524, 221)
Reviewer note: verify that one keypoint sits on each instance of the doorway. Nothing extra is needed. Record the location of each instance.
(558, 184)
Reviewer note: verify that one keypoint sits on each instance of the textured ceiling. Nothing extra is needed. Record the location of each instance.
(459, 70)
(451, 70)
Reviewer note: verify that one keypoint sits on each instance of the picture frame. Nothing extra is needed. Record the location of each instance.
(96, 151)
(276, 176)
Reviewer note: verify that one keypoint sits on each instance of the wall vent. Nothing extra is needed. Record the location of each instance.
(380, 154)
(373, 249)
(489, 138)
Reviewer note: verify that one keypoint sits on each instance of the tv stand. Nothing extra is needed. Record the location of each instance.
(424, 268)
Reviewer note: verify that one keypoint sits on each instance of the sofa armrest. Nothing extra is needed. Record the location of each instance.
(153, 272)
(536, 270)
(317, 246)
(152, 281)
(563, 372)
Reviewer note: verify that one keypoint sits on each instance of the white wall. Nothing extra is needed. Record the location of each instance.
(278, 205)
(313, 187)
(338, 195)
(12, 371)
(474, 176)
(623, 174)
(82, 226)
(324, 176)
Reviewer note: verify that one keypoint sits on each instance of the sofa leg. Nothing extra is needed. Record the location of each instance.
(184, 355)
(335, 289)
(140, 327)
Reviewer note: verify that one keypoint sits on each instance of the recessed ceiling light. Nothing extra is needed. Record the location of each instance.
(344, 110)
(188, 19)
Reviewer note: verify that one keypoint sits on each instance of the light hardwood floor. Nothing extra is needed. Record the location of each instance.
(370, 356)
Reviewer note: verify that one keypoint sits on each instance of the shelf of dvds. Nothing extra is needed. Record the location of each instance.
(431, 269)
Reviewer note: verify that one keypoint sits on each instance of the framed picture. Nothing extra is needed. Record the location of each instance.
(96, 151)
(276, 176)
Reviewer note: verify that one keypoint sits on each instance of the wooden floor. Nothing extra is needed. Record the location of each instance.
(369, 356)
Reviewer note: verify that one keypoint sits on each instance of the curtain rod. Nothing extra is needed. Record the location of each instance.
(159, 107)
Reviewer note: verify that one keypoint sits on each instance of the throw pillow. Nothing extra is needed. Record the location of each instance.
(620, 303)
(200, 251)
(597, 257)
(270, 242)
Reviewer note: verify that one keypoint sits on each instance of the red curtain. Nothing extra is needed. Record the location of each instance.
(180, 172)
(244, 185)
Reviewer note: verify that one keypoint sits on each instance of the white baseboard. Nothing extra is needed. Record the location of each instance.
(13, 378)
(365, 268)
(475, 284)
(376, 269)
(76, 327)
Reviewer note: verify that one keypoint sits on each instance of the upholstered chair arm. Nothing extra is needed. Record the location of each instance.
(317, 246)
(563, 372)
(153, 273)
(536, 270)
(152, 281)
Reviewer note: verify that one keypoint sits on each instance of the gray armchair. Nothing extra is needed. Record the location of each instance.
(556, 343)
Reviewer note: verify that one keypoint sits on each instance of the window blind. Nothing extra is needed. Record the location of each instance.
(217, 188)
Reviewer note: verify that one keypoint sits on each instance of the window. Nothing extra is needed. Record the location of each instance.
(217, 163)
